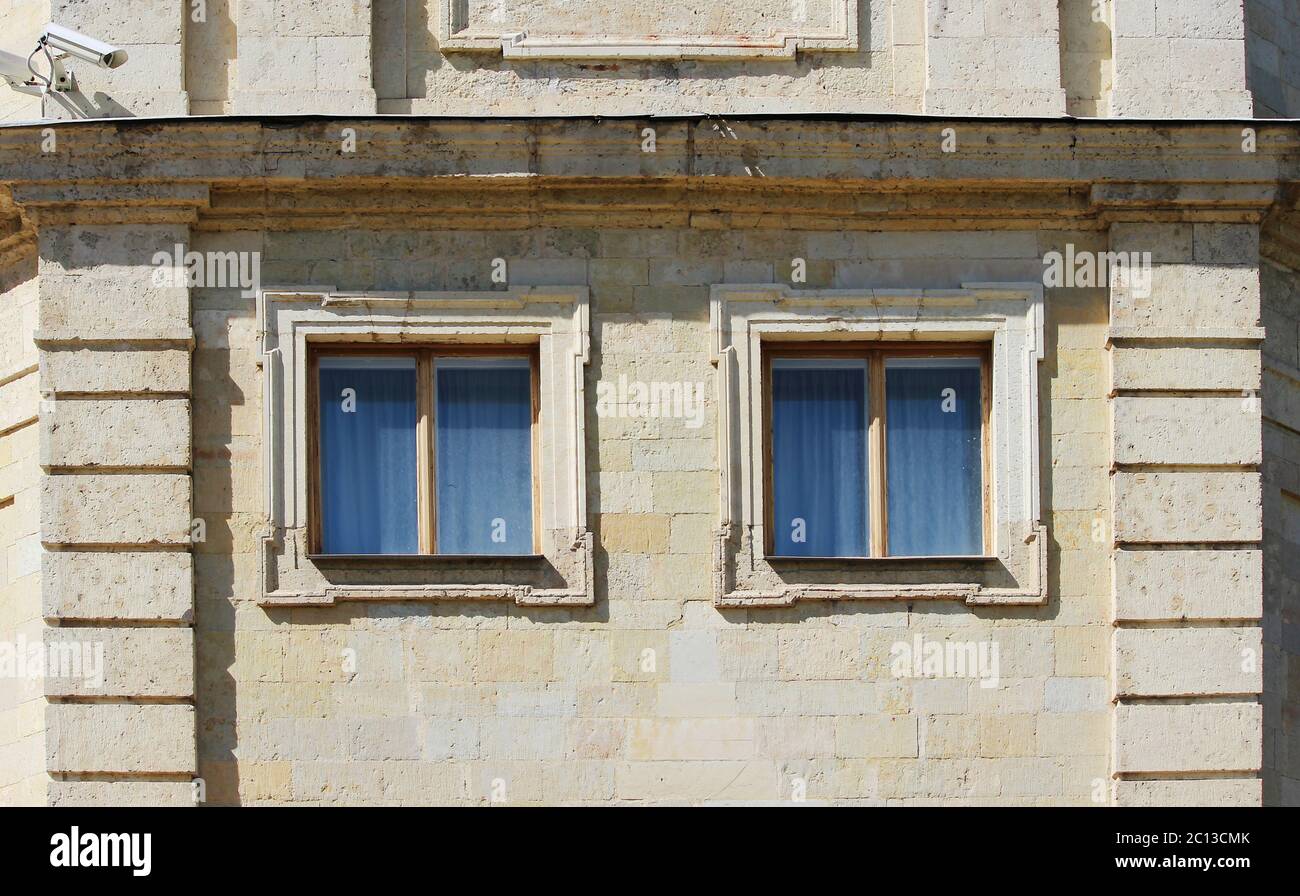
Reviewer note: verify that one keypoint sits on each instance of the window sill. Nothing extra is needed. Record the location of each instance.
(426, 558)
(945, 559)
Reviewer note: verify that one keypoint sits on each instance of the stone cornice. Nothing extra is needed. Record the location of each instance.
(823, 172)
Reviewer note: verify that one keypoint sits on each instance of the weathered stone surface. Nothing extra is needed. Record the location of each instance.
(1199, 793)
(1194, 431)
(1191, 296)
(1188, 584)
(129, 433)
(119, 370)
(120, 662)
(108, 509)
(19, 401)
(1188, 662)
(1206, 737)
(87, 586)
(120, 738)
(121, 793)
(1186, 506)
(1185, 368)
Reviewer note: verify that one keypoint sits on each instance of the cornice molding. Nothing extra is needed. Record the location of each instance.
(798, 173)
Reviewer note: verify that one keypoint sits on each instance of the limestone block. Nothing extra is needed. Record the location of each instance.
(697, 781)
(1231, 792)
(635, 533)
(1186, 506)
(19, 402)
(1186, 296)
(685, 739)
(1185, 662)
(1206, 737)
(120, 737)
(116, 433)
(867, 737)
(1184, 368)
(118, 370)
(106, 509)
(1192, 585)
(73, 307)
(120, 662)
(1201, 430)
(117, 585)
(121, 793)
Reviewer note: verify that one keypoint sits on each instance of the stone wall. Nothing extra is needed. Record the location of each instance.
(23, 21)
(22, 703)
(1273, 52)
(1188, 660)
(1146, 58)
(653, 694)
(1281, 410)
(115, 503)
(1179, 59)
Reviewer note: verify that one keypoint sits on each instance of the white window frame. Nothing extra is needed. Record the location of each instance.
(555, 318)
(1008, 315)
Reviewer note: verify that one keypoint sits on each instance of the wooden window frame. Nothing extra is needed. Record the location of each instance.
(876, 353)
(425, 356)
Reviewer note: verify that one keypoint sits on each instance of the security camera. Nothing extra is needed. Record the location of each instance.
(81, 46)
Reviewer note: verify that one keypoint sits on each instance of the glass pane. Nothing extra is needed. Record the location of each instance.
(484, 480)
(368, 484)
(819, 458)
(933, 413)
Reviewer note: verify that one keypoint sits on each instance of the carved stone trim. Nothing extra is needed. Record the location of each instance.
(1010, 315)
(556, 318)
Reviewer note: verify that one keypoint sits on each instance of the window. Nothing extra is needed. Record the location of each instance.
(875, 451)
(424, 451)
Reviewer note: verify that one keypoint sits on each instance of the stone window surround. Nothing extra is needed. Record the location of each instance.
(515, 42)
(556, 318)
(1010, 315)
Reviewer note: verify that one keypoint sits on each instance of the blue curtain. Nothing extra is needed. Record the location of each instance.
(933, 416)
(819, 458)
(484, 481)
(367, 447)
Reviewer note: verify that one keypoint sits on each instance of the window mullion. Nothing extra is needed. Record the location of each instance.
(879, 508)
(425, 453)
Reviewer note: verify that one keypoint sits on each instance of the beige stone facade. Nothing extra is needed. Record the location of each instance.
(672, 196)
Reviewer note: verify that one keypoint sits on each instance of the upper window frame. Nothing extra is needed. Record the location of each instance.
(425, 355)
(555, 320)
(1009, 315)
(876, 353)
